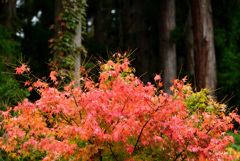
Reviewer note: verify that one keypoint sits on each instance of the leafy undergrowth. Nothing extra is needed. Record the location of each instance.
(117, 118)
(234, 148)
(236, 144)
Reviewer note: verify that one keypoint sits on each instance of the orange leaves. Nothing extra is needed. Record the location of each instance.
(230, 126)
(119, 117)
(51, 27)
(157, 77)
(63, 23)
(235, 132)
(184, 79)
(81, 70)
(6, 114)
(39, 84)
(51, 40)
(20, 70)
(172, 88)
(27, 83)
(30, 89)
(52, 76)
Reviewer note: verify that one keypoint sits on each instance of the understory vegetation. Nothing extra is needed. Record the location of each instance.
(115, 116)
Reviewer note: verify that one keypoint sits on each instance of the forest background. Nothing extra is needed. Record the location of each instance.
(29, 29)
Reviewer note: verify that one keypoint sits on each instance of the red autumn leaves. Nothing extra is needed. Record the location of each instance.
(116, 118)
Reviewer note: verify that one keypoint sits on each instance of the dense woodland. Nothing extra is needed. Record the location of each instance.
(199, 39)
(119, 79)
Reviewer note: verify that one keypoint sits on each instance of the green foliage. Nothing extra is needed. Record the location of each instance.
(34, 44)
(10, 90)
(64, 47)
(202, 102)
(7, 46)
(227, 37)
(236, 144)
(74, 12)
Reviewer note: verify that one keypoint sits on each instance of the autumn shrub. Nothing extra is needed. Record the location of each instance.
(117, 118)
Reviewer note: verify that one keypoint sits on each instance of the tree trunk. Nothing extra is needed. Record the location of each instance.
(204, 51)
(97, 22)
(76, 40)
(57, 25)
(77, 43)
(189, 45)
(134, 36)
(7, 16)
(167, 49)
(142, 52)
(127, 25)
(8, 12)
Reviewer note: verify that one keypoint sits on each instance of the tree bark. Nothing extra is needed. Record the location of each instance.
(97, 22)
(167, 48)
(134, 37)
(7, 15)
(204, 51)
(76, 40)
(77, 43)
(189, 45)
(127, 25)
(142, 52)
(8, 12)
(57, 25)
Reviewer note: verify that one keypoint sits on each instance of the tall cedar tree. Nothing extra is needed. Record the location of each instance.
(167, 49)
(204, 51)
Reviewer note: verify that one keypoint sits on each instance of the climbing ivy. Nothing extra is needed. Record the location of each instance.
(65, 50)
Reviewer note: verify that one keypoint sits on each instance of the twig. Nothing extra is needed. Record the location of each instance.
(113, 153)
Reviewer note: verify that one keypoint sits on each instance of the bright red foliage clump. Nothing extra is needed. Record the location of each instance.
(118, 118)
